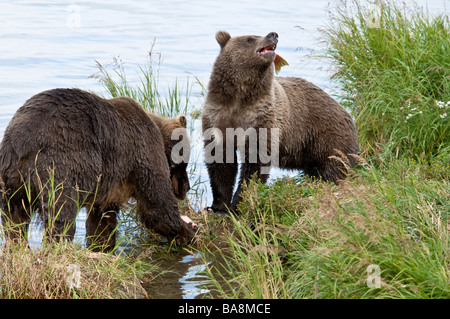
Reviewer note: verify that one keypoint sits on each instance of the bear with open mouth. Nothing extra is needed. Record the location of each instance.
(303, 125)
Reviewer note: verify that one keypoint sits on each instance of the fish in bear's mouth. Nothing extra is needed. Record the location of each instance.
(268, 52)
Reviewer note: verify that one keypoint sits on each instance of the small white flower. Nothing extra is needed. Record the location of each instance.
(441, 104)
(443, 116)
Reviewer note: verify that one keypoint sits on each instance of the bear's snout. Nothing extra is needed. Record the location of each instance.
(273, 36)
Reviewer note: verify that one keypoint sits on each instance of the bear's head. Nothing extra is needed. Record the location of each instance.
(249, 51)
(244, 67)
(177, 148)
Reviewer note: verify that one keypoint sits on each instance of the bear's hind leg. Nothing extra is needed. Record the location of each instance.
(101, 226)
(331, 171)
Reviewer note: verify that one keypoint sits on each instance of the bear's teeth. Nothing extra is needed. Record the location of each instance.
(267, 48)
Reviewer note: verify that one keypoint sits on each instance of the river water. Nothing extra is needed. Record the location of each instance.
(49, 44)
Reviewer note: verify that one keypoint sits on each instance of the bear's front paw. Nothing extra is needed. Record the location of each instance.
(188, 232)
(189, 221)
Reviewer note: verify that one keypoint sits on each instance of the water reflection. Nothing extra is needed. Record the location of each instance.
(183, 276)
(194, 280)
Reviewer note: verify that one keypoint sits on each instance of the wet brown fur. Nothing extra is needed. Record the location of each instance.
(103, 152)
(243, 92)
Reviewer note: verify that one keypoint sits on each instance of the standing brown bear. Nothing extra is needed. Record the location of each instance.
(296, 123)
(99, 153)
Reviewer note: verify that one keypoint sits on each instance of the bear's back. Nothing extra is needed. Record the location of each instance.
(316, 123)
(60, 120)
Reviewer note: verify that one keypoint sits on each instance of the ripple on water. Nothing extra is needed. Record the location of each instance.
(194, 280)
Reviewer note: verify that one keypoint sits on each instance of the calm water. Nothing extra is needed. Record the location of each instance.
(48, 44)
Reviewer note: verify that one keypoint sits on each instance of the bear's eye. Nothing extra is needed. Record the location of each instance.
(250, 40)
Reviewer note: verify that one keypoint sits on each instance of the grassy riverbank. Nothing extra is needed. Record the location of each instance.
(68, 271)
(383, 233)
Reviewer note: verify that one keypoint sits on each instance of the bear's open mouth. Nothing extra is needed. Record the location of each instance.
(266, 49)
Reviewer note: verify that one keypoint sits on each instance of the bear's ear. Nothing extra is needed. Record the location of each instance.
(222, 38)
(182, 120)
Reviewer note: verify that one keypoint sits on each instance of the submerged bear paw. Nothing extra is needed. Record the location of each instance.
(188, 232)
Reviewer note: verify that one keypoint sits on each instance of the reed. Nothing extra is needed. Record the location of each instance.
(144, 86)
(392, 68)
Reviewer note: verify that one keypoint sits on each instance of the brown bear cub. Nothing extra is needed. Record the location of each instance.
(99, 153)
(273, 121)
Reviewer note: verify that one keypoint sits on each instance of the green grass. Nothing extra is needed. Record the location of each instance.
(399, 223)
(392, 67)
(319, 240)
